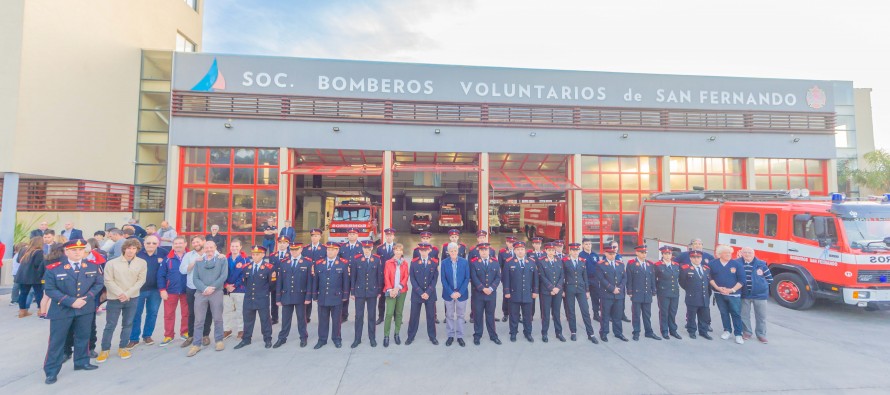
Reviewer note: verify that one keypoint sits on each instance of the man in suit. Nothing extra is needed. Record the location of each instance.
(426, 237)
(349, 250)
(641, 288)
(694, 278)
(39, 231)
(293, 293)
(552, 284)
(257, 281)
(70, 233)
(49, 241)
(330, 289)
(367, 284)
(314, 251)
(485, 275)
(611, 276)
(423, 274)
(455, 291)
(288, 231)
(667, 275)
(575, 268)
(385, 253)
(521, 289)
(503, 254)
(282, 255)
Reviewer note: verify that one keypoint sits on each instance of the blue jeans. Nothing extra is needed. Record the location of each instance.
(15, 293)
(730, 313)
(24, 295)
(152, 299)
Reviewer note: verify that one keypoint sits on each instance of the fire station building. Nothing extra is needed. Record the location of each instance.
(253, 138)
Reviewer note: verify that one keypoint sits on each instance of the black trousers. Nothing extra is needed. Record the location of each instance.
(526, 310)
(698, 318)
(249, 315)
(550, 308)
(429, 307)
(644, 310)
(69, 340)
(594, 299)
(58, 332)
(190, 300)
(369, 305)
(328, 315)
(287, 316)
(667, 313)
(381, 305)
(344, 311)
(274, 306)
(505, 305)
(581, 299)
(612, 311)
(483, 314)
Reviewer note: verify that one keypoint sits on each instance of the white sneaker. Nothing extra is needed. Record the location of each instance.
(725, 335)
(739, 340)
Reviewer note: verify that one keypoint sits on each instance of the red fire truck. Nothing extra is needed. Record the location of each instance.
(352, 214)
(449, 217)
(547, 220)
(508, 215)
(832, 249)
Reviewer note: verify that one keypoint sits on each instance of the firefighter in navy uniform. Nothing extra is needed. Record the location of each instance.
(537, 251)
(481, 238)
(257, 281)
(348, 251)
(641, 288)
(552, 285)
(520, 278)
(575, 268)
(315, 250)
(485, 275)
(425, 237)
(612, 280)
(424, 275)
(385, 253)
(293, 293)
(503, 254)
(282, 255)
(454, 237)
(330, 288)
(667, 274)
(72, 285)
(593, 284)
(366, 285)
(694, 279)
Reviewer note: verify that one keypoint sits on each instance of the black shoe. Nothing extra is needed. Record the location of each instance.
(665, 336)
(504, 319)
(338, 344)
(279, 343)
(706, 336)
(407, 342)
(434, 341)
(50, 379)
(596, 317)
(355, 344)
(653, 336)
(625, 319)
(604, 338)
(476, 341)
(93, 354)
(275, 322)
(496, 341)
(544, 339)
(574, 337)
(379, 321)
(636, 337)
(242, 344)
(88, 366)
(529, 338)
(397, 339)
(620, 337)
(692, 335)
(592, 339)
(319, 345)
(710, 329)
(449, 342)
(67, 357)
(345, 318)
(303, 343)
(560, 337)
(461, 342)
(513, 338)
(437, 321)
(373, 342)
(308, 320)
(676, 335)
(386, 341)
(268, 344)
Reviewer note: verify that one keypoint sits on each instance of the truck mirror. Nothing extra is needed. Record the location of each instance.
(823, 242)
(802, 217)
(820, 227)
(887, 241)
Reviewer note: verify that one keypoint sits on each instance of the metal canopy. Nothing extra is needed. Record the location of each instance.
(530, 181)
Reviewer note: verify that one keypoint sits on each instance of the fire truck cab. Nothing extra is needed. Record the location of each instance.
(828, 249)
(352, 214)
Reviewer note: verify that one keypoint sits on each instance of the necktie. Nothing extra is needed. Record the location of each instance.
(294, 264)
(521, 264)
(574, 264)
(389, 248)
(256, 267)
(485, 264)
(329, 264)
(698, 269)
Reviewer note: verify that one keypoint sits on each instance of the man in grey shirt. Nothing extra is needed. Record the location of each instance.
(166, 234)
(209, 272)
(117, 239)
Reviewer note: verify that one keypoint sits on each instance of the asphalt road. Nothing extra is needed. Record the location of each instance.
(830, 348)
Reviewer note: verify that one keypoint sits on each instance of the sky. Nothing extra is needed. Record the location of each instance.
(815, 39)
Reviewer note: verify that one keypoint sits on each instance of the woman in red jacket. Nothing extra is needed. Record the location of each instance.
(395, 286)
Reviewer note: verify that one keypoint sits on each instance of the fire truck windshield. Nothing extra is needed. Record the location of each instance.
(449, 211)
(864, 230)
(352, 214)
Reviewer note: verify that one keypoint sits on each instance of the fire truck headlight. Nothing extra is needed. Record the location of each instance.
(364, 230)
(861, 294)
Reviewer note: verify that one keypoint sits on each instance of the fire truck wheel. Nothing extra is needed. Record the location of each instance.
(789, 290)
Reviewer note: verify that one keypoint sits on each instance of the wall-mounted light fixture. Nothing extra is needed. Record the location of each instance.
(228, 124)
(624, 136)
(712, 138)
(336, 129)
(437, 131)
(533, 134)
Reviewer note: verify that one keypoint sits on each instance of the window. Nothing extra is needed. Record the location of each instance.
(193, 4)
(746, 223)
(770, 225)
(773, 174)
(708, 173)
(183, 44)
(815, 228)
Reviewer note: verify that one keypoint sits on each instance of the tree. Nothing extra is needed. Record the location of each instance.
(876, 175)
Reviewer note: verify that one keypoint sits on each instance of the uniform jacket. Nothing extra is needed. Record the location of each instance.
(366, 276)
(640, 281)
(258, 285)
(460, 284)
(474, 253)
(315, 253)
(294, 285)
(667, 279)
(683, 258)
(384, 253)
(611, 278)
(331, 286)
(65, 283)
(698, 288)
(503, 254)
(434, 253)
(423, 278)
(483, 277)
(552, 276)
(236, 271)
(576, 277)
(520, 282)
(349, 252)
(169, 277)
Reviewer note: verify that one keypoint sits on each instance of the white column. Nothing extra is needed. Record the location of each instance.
(665, 173)
(7, 220)
(749, 174)
(171, 210)
(831, 183)
(574, 232)
(283, 186)
(482, 214)
(386, 184)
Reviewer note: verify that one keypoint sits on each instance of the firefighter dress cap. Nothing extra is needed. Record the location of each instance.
(574, 246)
(352, 230)
(367, 243)
(296, 245)
(331, 244)
(282, 239)
(537, 239)
(609, 249)
(75, 243)
(315, 231)
(483, 245)
(453, 232)
(257, 249)
(426, 234)
(424, 246)
(549, 246)
(389, 231)
(519, 244)
(559, 242)
(510, 238)
(665, 249)
(695, 254)
(641, 248)
(481, 233)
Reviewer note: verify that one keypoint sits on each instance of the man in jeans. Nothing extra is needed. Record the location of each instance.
(185, 268)
(209, 274)
(172, 289)
(754, 294)
(149, 296)
(124, 277)
(727, 279)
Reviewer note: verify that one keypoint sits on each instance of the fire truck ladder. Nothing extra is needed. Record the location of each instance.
(728, 195)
